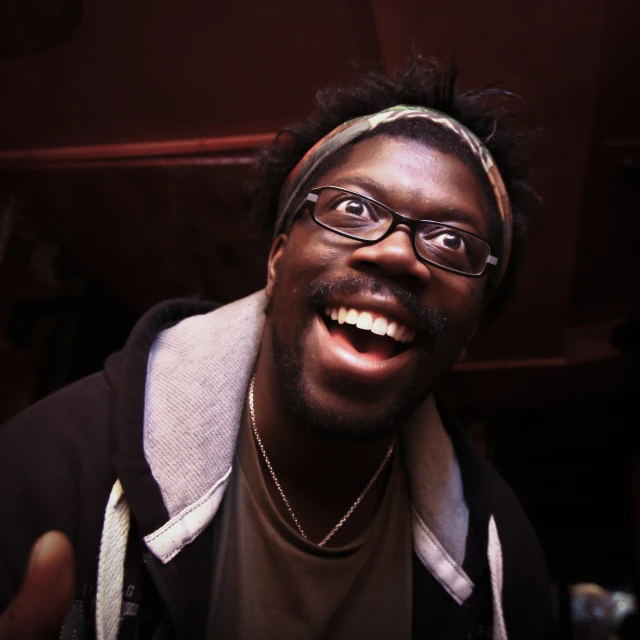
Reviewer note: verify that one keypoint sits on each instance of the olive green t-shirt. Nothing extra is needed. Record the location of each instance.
(271, 583)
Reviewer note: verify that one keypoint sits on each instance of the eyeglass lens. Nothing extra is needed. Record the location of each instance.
(360, 218)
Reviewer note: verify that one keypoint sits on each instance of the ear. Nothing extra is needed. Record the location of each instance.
(463, 354)
(277, 250)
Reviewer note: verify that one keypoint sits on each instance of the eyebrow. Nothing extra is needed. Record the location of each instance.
(377, 188)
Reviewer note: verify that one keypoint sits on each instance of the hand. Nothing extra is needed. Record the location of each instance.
(38, 610)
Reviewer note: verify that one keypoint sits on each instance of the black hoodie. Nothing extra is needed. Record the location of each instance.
(103, 461)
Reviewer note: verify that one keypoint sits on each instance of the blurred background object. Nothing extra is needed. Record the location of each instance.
(600, 614)
(127, 131)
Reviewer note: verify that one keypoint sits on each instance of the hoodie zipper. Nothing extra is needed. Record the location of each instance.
(154, 578)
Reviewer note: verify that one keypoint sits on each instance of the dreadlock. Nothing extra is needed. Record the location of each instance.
(420, 82)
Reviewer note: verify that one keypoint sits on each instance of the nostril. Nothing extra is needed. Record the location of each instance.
(407, 279)
(370, 265)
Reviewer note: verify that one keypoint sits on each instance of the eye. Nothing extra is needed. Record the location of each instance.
(352, 206)
(350, 213)
(448, 240)
(452, 241)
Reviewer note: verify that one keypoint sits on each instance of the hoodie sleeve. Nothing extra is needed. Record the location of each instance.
(55, 474)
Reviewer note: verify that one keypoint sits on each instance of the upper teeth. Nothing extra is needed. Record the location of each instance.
(371, 321)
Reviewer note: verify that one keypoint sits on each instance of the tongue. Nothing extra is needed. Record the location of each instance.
(363, 342)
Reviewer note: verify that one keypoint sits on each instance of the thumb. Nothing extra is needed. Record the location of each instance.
(38, 611)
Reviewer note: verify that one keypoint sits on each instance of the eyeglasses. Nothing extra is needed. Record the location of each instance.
(360, 217)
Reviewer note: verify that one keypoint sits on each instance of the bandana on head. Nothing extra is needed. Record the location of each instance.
(352, 129)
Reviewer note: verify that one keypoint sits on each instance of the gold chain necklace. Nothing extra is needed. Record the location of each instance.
(352, 508)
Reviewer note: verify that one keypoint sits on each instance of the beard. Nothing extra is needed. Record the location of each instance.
(329, 421)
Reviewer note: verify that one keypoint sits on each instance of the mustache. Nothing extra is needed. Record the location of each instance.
(430, 322)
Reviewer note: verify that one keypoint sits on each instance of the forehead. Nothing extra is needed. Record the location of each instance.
(415, 179)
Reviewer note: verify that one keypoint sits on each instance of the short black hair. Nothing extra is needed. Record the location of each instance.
(419, 82)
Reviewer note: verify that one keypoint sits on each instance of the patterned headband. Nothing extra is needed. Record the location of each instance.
(348, 131)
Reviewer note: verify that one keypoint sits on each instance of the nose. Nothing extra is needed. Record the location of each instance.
(393, 257)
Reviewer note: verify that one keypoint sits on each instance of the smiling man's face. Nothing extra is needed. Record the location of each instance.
(347, 380)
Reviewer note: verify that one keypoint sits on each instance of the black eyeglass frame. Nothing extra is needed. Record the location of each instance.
(397, 218)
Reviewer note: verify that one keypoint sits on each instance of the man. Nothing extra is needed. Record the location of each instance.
(278, 467)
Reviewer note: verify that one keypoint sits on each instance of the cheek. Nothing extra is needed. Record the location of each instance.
(472, 299)
(462, 303)
(302, 261)
(307, 256)
(459, 292)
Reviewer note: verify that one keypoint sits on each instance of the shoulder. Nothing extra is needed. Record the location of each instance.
(54, 473)
(526, 596)
(64, 418)
(73, 418)
(56, 462)
(526, 591)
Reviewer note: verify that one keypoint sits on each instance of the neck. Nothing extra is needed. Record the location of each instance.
(320, 476)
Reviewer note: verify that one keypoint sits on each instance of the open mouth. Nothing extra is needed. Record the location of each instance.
(369, 334)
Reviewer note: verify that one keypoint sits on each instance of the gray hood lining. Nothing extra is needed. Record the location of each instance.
(197, 379)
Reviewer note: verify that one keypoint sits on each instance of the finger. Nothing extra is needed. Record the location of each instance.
(37, 612)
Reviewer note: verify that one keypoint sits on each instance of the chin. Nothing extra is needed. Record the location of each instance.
(342, 409)
(343, 421)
